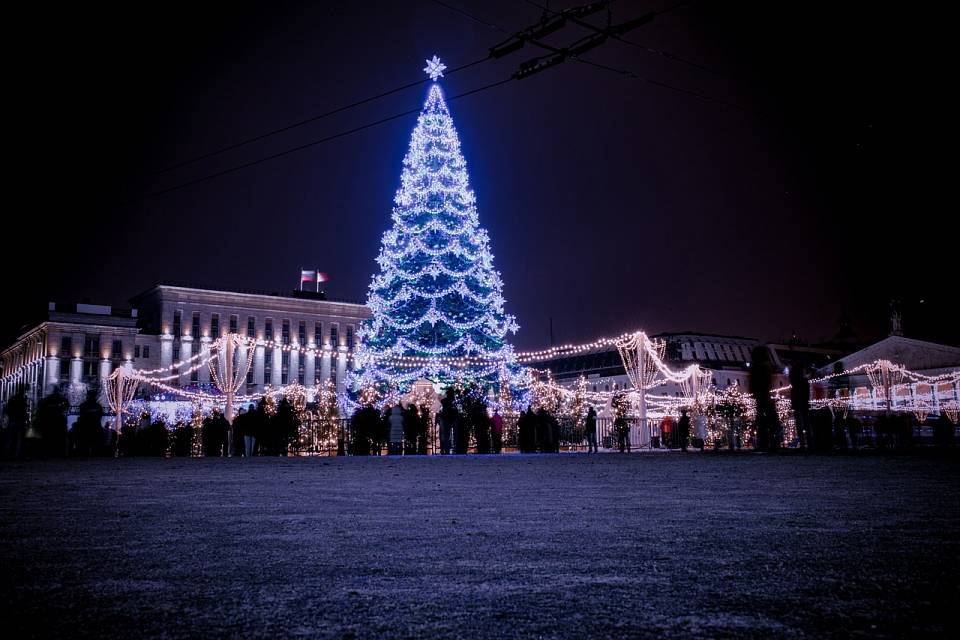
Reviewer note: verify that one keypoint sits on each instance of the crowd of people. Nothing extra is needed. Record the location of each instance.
(255, 431)
(462, 424)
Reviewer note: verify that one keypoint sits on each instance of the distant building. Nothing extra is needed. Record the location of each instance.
(84, 343)
(728, 357)
(918, 356)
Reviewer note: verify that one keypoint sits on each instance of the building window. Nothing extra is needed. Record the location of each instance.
(196, 324)
(233, 323)
(66, 346)
(194, 376)
(146, 351)
(285, 358)
(251, 327)
(89, 369)
(267, 365)
(334, 338)
(136, 351)
(316, 367)
(268, 329)
(65, 369)
(302, 334)
(250, 375)
(91, 346)
(350, 337)
(176, 322)
(318, 334)
(215, 326)
(333, 376)
(117, 350)
(285, 332)
(283, 376)
(301, 376)
(176, 351)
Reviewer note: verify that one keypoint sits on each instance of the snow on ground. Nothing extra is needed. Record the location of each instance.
(570, 545)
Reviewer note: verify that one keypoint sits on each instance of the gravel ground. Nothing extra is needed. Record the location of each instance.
(570, 545)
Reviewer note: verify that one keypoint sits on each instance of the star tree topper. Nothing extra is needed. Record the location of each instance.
(434, 68)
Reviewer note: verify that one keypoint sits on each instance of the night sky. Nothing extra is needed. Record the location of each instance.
(612, 203)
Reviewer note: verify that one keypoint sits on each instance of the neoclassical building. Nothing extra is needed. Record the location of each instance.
(166, 324)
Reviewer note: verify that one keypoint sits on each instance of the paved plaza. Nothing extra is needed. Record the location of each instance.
(569, 545)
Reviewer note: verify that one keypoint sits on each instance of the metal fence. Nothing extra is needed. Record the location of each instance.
(320, 440)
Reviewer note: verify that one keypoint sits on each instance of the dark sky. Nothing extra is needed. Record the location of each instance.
(612, 203)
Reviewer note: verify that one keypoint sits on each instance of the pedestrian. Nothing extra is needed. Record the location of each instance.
(544, 432)
(411, 420)
(87, 431)
(800, 403)
(16, 413)
(480, 421)
(853, 430)
(591, 430)
(52, 422)
(497, 431)
(284, 428)
(683, 429)
(249, 430)
(395, 418)
(666, 430)
(943, 432)
(622, 429)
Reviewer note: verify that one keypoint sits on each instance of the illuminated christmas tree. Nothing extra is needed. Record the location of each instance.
(437, 303)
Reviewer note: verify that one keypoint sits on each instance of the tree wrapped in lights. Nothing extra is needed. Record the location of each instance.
(437, 304)
(545, 394)
(730, 417)
(328, 414)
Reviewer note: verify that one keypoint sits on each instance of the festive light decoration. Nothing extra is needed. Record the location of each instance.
(173, 367)
(437, 304)
(434, 68)
(119, 390)
(730, 414)
(620, 404)
(196, 431)
(546, 394)
(232, 374)
(951, 409)
(577, 405)
(76, 393)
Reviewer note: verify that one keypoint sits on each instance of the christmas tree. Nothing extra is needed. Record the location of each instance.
(437, 303)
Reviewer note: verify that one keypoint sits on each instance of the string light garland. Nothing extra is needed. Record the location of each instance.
(119, 390)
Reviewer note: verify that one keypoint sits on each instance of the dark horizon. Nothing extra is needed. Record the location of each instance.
(767, 217)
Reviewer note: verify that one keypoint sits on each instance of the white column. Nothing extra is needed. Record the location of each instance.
(309, 368)
(166, 352)
(186, 352)
(104, 372)
(76, 370)
(341, 367)
(277, 366)
(324, 365)
(242, 360)
(204, 354)
(258, 368)
(53, 374)
(295, 366)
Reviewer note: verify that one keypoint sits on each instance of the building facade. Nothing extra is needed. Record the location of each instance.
(310, 339)
(727, 357)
